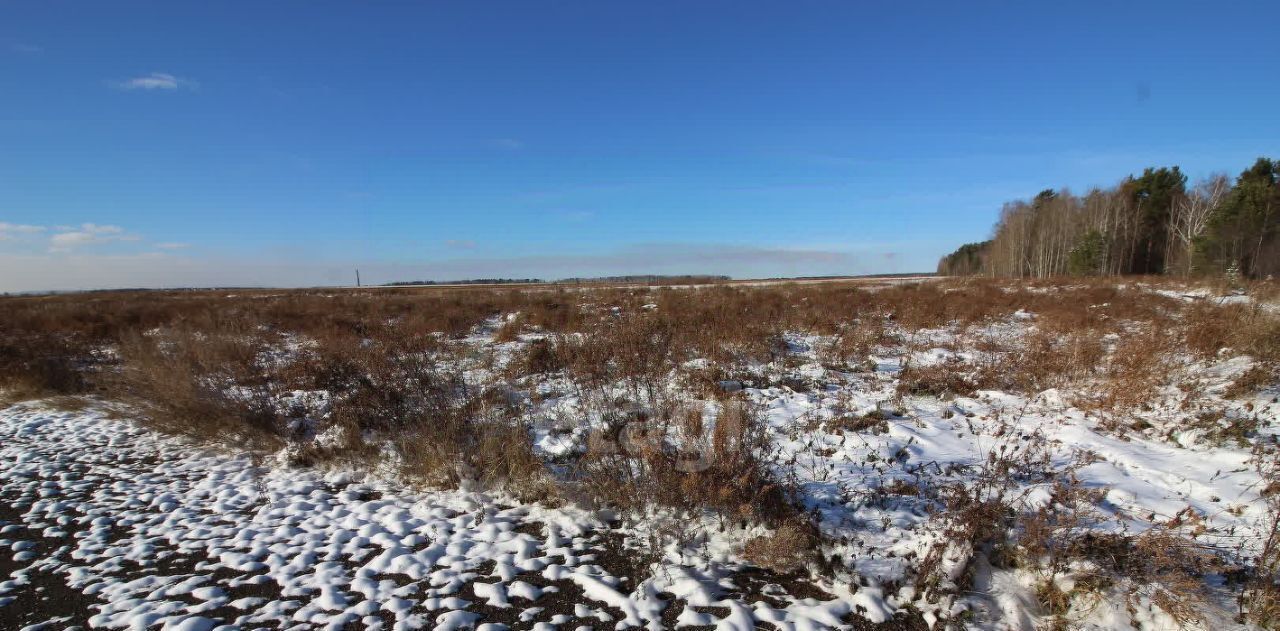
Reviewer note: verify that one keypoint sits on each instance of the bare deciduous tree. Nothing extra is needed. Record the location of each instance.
(1190, 216)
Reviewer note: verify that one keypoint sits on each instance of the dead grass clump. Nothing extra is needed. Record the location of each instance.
(509, 331)
(1137, 368)
(1056, 359)
(677, 460)
(1075, 565)
(48, 346)
(1259, 599)
(202, 386)
(1057, 542)
(541, 357)
(40, 366)
(433, 455)
(915, 307)
(385, 387)
(726, 325)
(975, 523)
(1049, 543)
(1159, 564)
(1243, 329)
(1223, 429)
(466, 439)
(789, 548)
(501, 455)
(1175, 568)
(446, 433)
(860, 339)
(949, 378)
(1259, 336)
(1255, 379)
(874, 422)
(1040, 360)
(899, 486)
(1208, 329)
(979, 514)
(639, 350)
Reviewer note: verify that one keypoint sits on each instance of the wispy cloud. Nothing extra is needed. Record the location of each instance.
(87, 234)
(648, 258)
(10, 231)
(155, 81)
(576, 215)
(79, 266)
(22, 48)
(510, 144)
(172, 245)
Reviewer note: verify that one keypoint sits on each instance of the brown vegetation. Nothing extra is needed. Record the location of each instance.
(392, 370)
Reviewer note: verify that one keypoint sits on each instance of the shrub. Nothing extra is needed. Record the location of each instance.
(1253, 380)
(1259, 599)
(789, 548)
(938, 380)
(541, 357)
(203, 386)
(718, 468)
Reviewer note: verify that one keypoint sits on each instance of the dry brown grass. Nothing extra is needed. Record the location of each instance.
(1253, 380)
(52, 344)
(509, 331)
(203, 385)
(949, 378)
(1136, 369)
(859, 339)
(210, 365)
(1259, 599)
(875, 422)
(789, 548)
(1244, 329)
(980, 514)
(1056, 542)
(716, 466)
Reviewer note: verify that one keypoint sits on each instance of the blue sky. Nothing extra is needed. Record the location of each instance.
(284, 143)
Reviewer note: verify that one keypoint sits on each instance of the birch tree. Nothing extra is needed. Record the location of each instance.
(1190, 217)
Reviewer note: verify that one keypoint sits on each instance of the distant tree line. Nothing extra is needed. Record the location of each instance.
(469, 281)
(641, 278)
(1149, 224)
(649, 278)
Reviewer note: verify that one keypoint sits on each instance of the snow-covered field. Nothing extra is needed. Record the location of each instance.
(107, 524)
(112, 526)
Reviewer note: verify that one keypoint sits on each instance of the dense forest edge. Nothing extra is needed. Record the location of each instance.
(1149, 224)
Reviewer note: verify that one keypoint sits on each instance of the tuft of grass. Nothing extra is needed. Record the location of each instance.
(789, 548)
(718, 466)
(938, 380)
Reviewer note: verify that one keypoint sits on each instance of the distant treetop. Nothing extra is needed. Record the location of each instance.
(1147, 224)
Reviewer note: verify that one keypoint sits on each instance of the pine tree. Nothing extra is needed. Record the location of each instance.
(1243, 232)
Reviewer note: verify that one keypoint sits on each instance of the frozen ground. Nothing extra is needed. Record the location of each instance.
(109, 526)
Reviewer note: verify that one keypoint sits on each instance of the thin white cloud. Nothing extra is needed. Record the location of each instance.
(92, 268)
(20, 227)
(11, 231)
(68, 239)
(172, 245)
(23, 48)
(576, 215)
(155, 81)
(510, 144)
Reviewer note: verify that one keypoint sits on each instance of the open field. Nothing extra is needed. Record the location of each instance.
(839, 453)
(880, 279)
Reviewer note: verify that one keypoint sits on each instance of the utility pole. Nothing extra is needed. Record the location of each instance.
(357, 277)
